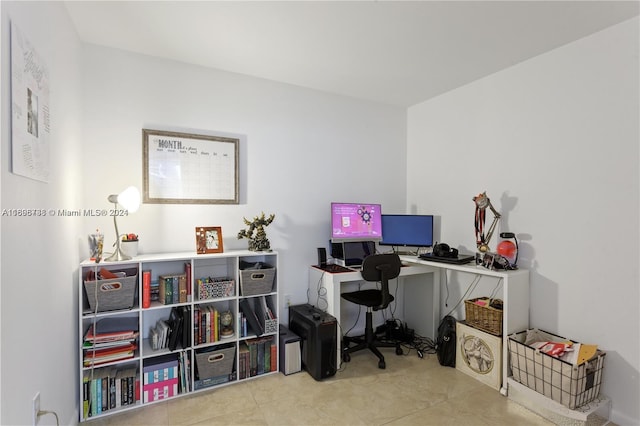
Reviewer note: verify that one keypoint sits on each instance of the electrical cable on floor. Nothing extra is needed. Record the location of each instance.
(423, 345)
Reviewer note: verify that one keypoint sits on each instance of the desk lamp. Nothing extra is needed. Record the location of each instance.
(482, 202)
(129, 199)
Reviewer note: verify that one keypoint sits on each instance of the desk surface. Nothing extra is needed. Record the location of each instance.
(471, 268)
(410, 261)
(355, 275)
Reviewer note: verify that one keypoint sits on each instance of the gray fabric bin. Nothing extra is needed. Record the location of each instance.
(113, 294)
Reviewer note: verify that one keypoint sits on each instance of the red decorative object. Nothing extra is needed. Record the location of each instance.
(507, 249)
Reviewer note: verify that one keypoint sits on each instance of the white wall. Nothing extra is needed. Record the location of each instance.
(300, 150)
(555, 131)
(39, 255)
(554, 142)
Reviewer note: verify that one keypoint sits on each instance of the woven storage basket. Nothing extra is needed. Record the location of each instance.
(214, 363)
(485, 318)
(113, 294)
(256, 281)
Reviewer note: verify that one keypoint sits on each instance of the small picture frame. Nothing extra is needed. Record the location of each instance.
(209, 239)
(487, 260)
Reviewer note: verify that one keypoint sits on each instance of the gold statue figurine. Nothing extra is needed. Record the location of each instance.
(259, 242)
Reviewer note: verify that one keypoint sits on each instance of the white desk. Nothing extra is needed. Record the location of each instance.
(421, 282)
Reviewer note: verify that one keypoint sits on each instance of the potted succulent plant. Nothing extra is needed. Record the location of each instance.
(129, 244)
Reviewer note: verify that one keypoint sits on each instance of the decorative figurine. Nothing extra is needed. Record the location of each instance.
(259, 241)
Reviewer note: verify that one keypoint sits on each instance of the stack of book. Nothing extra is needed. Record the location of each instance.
(207, 325)
(110, 339)
(160, 378)
(173, 331)
(172, 289)
(108, 389)
(257, 356)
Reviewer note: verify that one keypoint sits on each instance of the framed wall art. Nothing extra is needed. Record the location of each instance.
(30, 117)
(184, 168)
(209, 239)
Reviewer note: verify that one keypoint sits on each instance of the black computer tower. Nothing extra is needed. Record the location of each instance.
(317, 331)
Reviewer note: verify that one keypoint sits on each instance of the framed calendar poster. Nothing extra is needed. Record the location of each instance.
(184, 168)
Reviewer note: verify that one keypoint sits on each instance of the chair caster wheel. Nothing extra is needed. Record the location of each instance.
(382, 365)
(346, 357)
(399, 350)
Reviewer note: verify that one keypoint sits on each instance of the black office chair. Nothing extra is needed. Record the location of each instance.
(380, 268)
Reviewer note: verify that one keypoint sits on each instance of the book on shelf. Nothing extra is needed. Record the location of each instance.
(155, 291)
(86, 395)
(159, 335)
(112, 329)
(196, 325)
(173, 289)
(244, 361)
(166, 289)
(182, 288)
(94, 357)
(206, 327)
(159, 369)
(184, 371)
(260, 354)
(146, 289)
(274, 357)
(186, 326)
(188, 274)
(175, 321)
(161, 390)
(107, 389)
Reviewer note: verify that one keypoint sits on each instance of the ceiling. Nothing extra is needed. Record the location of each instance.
(394, 52)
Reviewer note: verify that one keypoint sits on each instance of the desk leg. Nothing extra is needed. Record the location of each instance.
(333, 302)
(333, 307)
(422, 303)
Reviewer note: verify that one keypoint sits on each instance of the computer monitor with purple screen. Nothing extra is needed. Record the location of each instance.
(356, 222)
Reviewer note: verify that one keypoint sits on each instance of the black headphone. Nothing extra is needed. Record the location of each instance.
(443, 250)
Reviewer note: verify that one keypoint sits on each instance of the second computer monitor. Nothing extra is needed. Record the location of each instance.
(406, 230)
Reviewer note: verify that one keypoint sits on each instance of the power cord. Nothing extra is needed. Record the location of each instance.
(45, 412)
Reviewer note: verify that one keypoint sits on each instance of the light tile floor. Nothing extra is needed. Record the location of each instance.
(410, 391)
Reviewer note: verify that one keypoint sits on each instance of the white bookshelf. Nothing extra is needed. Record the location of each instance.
(218, 266)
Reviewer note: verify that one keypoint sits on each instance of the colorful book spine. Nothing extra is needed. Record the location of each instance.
(161, 390)
(86, 396)
(182, 286)
(146, 289)
(162, 291)
(94, 397)
(274, 356)
(160, 372)
(196, 325)
(187, 269)
(175, 289)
